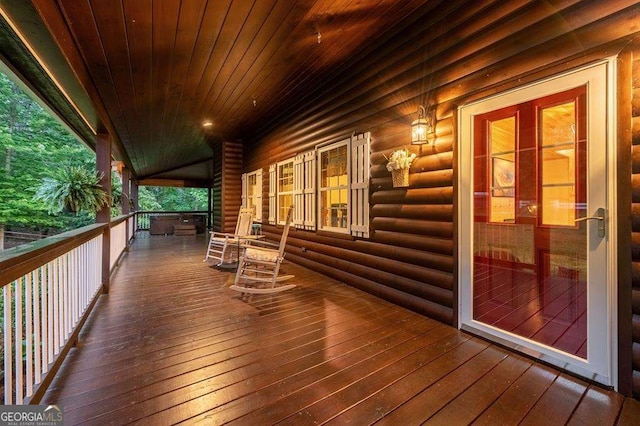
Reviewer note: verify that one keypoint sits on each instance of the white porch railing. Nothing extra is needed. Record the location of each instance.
(48, 290)
(42, 308)
(118, 242)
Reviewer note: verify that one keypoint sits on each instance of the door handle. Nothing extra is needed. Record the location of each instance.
(599, 216)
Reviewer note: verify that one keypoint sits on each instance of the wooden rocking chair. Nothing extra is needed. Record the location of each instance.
(223, 247)
(259, 266)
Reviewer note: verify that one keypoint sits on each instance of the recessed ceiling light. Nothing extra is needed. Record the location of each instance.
(207, 124)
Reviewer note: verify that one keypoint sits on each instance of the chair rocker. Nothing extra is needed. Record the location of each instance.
(223, 247)
(259, 266)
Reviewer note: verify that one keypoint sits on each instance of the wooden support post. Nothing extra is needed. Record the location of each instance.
(103, 164)
(134, 195)
(126, 193)
(209, 208)
(126, 203)
(135, 206)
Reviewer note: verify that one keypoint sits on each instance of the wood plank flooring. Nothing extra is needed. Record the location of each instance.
(172, 344)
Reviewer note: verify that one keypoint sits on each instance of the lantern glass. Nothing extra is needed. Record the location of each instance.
(419, 130)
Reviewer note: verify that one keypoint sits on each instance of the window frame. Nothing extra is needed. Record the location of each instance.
(320, 189)
(280, 193)
(254, 200)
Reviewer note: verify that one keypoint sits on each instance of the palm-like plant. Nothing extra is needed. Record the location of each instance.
(72, 189)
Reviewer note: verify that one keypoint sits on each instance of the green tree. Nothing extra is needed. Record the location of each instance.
(31, 144)
(181, 199)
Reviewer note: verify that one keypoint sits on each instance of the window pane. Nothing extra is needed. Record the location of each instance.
(502, 146)
(557, 125)
(251, 185)
(334, 167)
(285, 177)
(334, 208)
(284, 201)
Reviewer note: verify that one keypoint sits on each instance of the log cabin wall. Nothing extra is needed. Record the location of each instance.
(226, 186)
(635, 297)
(216, 189)
(470, 51)
(227, 202)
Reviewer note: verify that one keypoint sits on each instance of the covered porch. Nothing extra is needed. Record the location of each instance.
(274, 103)
(171, 343)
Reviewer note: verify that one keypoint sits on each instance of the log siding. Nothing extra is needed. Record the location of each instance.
(635, 224)
(473, 51)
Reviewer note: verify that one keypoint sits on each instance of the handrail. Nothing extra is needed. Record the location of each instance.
(22, 259)
(119, 219)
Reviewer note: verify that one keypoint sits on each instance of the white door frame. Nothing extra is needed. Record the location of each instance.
(600, 79)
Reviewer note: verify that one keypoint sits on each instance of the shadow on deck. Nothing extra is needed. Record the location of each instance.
(171, 343)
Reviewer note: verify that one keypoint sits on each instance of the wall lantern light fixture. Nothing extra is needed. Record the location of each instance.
(422, 127)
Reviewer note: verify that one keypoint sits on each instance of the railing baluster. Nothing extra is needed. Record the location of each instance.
(46, 315)
(28, 297)
(50, 316)
(68, 281)
(54, 313)
(56, 310)
(18, 342)
(8, 344)
(77, 272)
(37, 354)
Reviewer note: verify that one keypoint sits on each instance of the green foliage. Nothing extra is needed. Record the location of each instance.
(147, 199)
(34, 146)
(172, 199)
(73, 189)
(31, 144)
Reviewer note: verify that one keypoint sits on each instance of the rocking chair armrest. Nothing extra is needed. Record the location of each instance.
(222, 234)
(258, 244)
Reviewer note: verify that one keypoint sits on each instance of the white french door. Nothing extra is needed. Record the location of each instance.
(536, 197)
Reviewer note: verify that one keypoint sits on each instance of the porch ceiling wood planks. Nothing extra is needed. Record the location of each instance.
(159, 69)
(172, 343)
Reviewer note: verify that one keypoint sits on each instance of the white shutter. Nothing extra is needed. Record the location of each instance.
(298, 187)
(273, 184)
(258, 217)
(310, 190)
(245, 202)
(360, 185)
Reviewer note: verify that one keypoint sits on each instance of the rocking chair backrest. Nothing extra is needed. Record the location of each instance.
(245, 220)
(285, 231)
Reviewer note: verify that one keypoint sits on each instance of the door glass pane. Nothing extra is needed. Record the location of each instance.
(530, 256)
(502, 148)
(558, 166)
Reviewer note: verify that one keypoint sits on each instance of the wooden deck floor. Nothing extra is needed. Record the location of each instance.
(171, 343)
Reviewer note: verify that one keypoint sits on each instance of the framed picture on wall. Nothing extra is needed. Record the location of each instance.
(503, 177)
